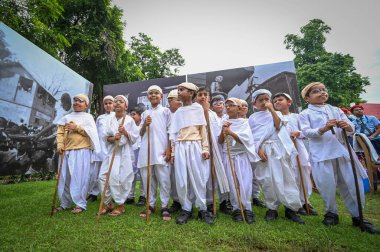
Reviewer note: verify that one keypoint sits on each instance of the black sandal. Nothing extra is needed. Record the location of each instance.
(152, 210)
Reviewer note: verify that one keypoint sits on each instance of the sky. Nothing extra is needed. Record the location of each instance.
(220, 34)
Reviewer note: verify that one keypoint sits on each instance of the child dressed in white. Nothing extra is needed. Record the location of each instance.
(275, 148)
(330, 161)
(158, 119)
(77, 137)
(282, 103)
(101, 122)
(189, 134)
(121, 177)
(242, 150)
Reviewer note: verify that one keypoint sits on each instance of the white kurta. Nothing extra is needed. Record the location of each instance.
(101, 123)
(275, 175)
(330, 159)
(291, 124)
(74, 181)
(241, 154)
(158, 137)
(121, 176)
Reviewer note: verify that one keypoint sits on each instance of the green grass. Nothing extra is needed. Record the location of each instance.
(25, 224)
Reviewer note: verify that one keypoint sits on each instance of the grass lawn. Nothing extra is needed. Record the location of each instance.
(25, 224)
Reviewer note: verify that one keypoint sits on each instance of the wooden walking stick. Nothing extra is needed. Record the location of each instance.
(108, 175)
(59, 173)
(148, 180)
(301, 177)
(356, 180)
(234, 177)
(211, 161)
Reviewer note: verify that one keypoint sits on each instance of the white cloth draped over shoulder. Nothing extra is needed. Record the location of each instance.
(216, 127)
(184, 117)
(86, 121)
(101, 123)
(241, 127)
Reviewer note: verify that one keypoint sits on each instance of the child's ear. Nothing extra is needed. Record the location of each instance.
(306, 99)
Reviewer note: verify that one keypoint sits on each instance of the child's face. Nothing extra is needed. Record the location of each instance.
(184, 94)
(120, 104)
(202, 97)
(154, 96)
(79, 106)
(317, 95)
(218, 106)
(281, 103)
(260, 102)
(108, 106)
(174, 103)
(243, 111)
(232, 109)
(136, 117)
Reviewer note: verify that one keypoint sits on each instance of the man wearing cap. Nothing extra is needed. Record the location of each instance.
(77, 136)
(189, 134)
(157, 118)
(93, 189)
(366, 124)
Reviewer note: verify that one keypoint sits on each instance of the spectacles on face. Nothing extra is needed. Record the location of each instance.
(118, 101)
(78, 100)
(218, 103)
(244, 106)
(319, 90)
(231, 105)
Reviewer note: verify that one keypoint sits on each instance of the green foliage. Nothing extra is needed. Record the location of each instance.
(87, 36)
(25, 225)
(314, 63)
(152, 62)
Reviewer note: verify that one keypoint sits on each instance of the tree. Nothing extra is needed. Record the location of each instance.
(314, 63)
(152, 62)
(87, 36)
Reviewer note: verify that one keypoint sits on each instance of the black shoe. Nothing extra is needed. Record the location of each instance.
(142, 201)
(210, 208)
(302, 211)
(292, 215)
(331, 219)
(206, 217)
(225, 207)
(184, 217)
(249, 216)
(311, 209)
(175, 207)
(367, 226)
(92, 198)
(271, 215)
(258, 202)
(236, 215)
(130, 201)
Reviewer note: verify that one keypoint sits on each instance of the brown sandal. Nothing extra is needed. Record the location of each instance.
(151, 210)
(77, 210)
(106, 209)
(58, 209)
(165, 215)
(117, 211)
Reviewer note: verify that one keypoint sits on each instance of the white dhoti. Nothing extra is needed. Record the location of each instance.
(74, 181)
(121, 178)
(192, 173)
(93, 188)
(276, 178)
(243, 173)
(333, 173)
(159, 177)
